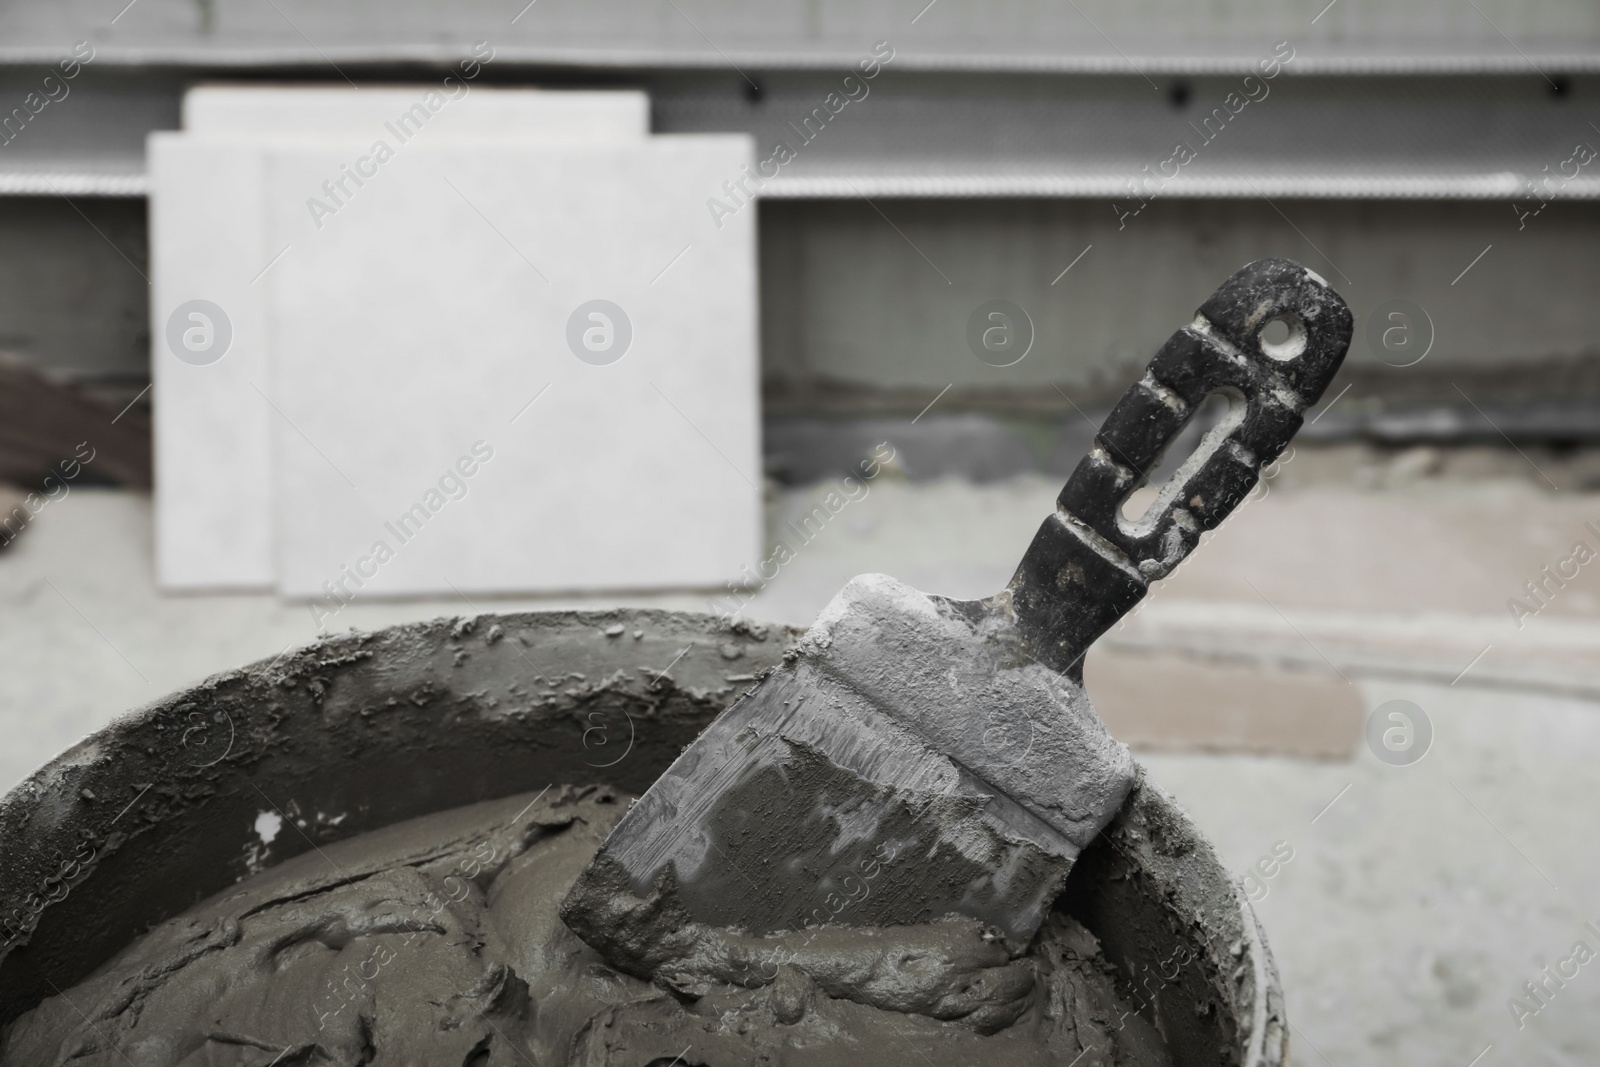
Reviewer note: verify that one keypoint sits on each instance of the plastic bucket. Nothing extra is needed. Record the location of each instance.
(157, 811)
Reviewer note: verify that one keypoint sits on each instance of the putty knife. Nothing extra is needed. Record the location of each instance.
(917, 756)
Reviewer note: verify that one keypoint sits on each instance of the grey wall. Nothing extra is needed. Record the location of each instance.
(950, 134)
(849, 301)
(911, 133)
(1087, 35)
(73, 294)
(874, 298)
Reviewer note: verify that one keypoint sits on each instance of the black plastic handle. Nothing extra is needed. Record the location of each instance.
(1088, 566)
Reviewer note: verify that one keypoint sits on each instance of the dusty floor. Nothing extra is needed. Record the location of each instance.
(1420, 898)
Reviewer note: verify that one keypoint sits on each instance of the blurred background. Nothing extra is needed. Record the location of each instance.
(797, 222)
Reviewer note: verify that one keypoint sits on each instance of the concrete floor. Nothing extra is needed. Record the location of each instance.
(1420, 902)
(1419, 898)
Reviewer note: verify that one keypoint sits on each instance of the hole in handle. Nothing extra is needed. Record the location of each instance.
(1195, 438)
(1283, 337)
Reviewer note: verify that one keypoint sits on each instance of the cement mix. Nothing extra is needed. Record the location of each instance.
(437, 940)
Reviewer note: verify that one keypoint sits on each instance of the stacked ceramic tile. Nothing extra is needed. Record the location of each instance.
(405, 343)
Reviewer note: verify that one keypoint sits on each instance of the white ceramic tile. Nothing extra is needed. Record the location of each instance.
(213, 480)
(310, 110)
(213, 489)
(428, 313)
